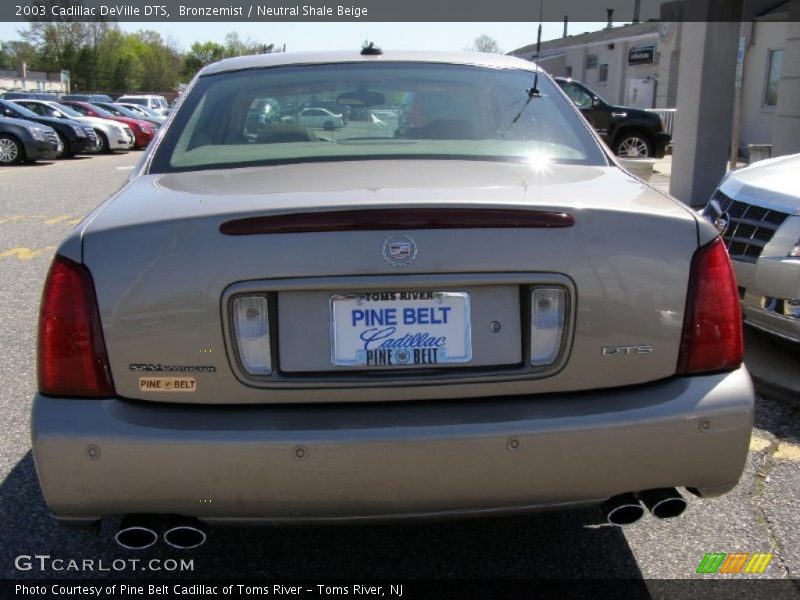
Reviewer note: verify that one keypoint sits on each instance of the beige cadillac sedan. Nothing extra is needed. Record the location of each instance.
(457, 303)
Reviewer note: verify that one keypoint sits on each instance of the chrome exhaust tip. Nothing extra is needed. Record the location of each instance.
(185, 534)
(624, 509)
(663, 503)
(136, 533)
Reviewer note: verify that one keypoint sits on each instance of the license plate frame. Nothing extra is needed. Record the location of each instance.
(420, 351)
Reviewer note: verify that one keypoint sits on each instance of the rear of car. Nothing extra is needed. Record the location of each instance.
(480, 314)
(757, 212)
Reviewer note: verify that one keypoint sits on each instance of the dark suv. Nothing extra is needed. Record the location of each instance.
(630, 132)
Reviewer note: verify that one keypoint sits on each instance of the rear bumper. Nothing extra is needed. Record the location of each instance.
(270, 463)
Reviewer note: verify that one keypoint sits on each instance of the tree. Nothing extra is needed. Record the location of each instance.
(235, 46)
(200, 55)
(13, 54)
(484, 43)
(101, 57)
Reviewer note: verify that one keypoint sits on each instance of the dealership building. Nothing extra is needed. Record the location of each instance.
(23, 80)
(638, 65)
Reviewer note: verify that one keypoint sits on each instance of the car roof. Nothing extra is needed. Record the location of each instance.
(309, 58)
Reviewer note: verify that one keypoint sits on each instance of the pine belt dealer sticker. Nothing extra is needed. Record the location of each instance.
(167, 384)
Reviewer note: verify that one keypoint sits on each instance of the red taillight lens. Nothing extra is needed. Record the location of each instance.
(712, 325)
(72, 355)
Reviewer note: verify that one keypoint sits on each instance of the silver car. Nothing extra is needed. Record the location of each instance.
(757, 212)
(478, 314)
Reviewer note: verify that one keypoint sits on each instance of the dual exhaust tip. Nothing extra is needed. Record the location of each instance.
(625, 509)
(141, 532)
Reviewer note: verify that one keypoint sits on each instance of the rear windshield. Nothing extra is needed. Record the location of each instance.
(361, 111)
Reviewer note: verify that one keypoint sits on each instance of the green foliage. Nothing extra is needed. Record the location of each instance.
(13, 54)
(101, 57)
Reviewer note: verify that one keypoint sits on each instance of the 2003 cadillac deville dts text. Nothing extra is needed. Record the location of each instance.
(451, 301)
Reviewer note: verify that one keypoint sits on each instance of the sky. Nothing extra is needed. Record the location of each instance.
(306, 36)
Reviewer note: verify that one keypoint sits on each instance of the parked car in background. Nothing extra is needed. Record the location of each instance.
(332, 106)
(487, 316)
(156, 103)
(76, 138)
(110, 135)
(630, 132)
(757, 212)
(36, 95)
(121, 111)
(23, 141)
(143, 111)
(319, 117)
(143, 131)
(87, 97)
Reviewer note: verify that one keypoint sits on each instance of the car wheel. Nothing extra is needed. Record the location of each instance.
(633, 145)
(329, 126)
(102, 142)
(65, 150)
(11, 150)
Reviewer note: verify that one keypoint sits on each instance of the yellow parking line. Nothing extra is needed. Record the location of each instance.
(13, 218)
(47, 220)
(23, 253)
(788, 451)
(58, 219)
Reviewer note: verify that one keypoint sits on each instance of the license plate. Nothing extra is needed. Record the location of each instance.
(400, 329)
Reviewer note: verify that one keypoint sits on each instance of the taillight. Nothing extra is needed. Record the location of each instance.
(712, 325)
(251, 328)
(548, 310)
(72, 355)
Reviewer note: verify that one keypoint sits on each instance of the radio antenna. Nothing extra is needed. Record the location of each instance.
(534, 91)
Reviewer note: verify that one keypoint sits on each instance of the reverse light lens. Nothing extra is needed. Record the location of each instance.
(72, 359)
(712, 326)
(251, 326)
(548, 310)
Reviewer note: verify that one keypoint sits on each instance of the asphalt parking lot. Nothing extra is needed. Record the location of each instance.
(40, 204)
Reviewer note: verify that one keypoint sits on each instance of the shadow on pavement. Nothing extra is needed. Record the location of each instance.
(545, 545)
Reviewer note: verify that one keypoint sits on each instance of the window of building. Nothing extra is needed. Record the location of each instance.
(774, 60)
(591, 61)
(602, 75)
(568, 71)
